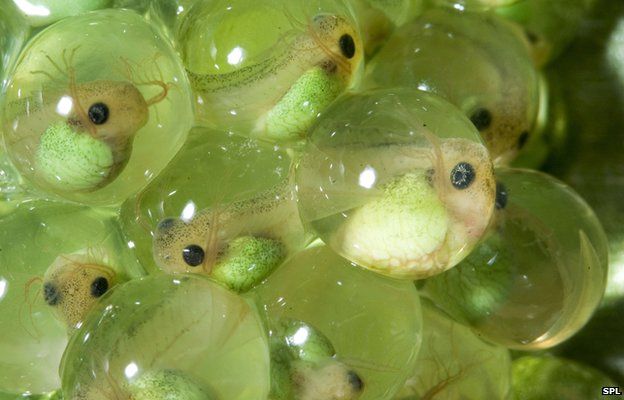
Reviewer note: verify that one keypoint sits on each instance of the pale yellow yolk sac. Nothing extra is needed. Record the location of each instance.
(426, 220)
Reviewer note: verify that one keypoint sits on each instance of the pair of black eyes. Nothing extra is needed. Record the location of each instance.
(347, 45)
(98, 113)
(52, 295)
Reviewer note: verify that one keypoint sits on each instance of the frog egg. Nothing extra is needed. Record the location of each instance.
(549, 25)
(397, 181)
(39, 13)
(212, 338)
(214, 173)
(454, 363)
(547, 377)
(494, 84)
(267, 69)
(97, 105)
(31, 240)
(371, 321)
(540, 273)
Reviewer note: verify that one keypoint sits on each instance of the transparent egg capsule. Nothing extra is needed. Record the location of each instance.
(267, 69)
(379, 18)
(476, 61)
(13, 32)
(235, 229)
(304, 366)
(549, 25)
(44, 247)
(38, 13)
(454, 363)
(12, 190)
(547, 377)
(164, 337)
(97, 105)
(357, 323)
(397, 181)
(540, 272)
(474, 5)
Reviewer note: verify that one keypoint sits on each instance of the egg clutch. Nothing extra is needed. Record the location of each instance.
(306, 200)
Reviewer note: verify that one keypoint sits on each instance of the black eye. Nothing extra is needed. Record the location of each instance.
(462, 175)
(522, 139)
(99, 286)
(347, 45)
(51, 294)
(355, 381)
(193, 255)
(501, 196)
(481, 118)
(98, 113)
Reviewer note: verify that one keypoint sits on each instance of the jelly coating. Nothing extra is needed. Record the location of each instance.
(379, 18)
(268, 69)
(32, 238)
(475, 5)
(476, 61)
(372, 322)
(13, 32)
(454, 363)
(397, 181)
(237, 244)
(44, 12)
(540, 273)
(12, 190)
(73, 283)
(547, 377)
(212, 338)
(90, 133)
(214, 175)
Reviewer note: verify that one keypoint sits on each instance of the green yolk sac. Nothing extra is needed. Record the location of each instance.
(71, 160)
(304, 342)
(301, 105)
(166, 385)
(246, 261)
